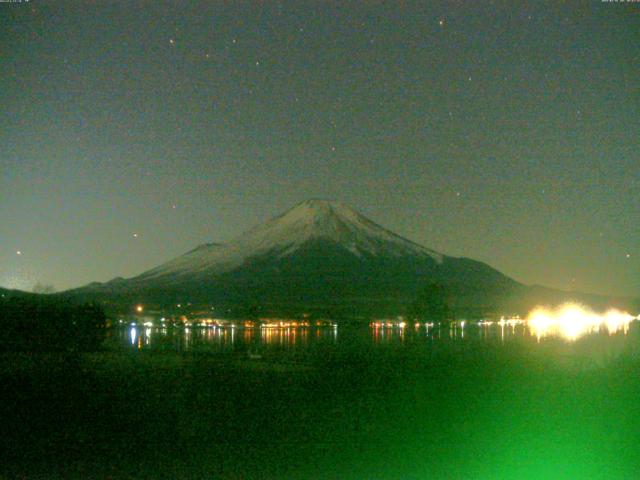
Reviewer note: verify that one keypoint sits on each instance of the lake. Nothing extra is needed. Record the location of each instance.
(484, 401)
(282, 343)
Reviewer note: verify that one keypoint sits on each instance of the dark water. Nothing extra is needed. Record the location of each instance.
(282, 343)
(490, 402)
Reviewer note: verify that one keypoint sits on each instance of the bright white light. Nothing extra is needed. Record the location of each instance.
(615, 321)
(572, 321)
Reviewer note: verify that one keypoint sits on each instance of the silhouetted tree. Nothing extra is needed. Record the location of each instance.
(90, 323)
(431, 303)
(38, 323)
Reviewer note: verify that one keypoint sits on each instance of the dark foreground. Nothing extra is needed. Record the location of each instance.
(477, 411)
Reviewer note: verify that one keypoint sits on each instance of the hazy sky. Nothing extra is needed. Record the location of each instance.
(507, 132)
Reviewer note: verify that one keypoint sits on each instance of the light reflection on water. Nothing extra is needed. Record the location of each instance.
(257, 340)
(454, 331)
(224, 339)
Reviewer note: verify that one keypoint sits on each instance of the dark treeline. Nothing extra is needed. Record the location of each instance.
(42, 323)
(431, 304)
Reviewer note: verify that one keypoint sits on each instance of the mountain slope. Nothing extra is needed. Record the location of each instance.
(319, 256)
(285, 234)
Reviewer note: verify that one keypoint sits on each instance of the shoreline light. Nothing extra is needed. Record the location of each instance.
(571, 321)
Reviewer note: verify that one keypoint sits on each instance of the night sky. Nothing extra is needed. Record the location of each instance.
(508, 132)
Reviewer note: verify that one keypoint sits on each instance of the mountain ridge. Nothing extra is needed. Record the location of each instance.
(323, 255)
(285, 233)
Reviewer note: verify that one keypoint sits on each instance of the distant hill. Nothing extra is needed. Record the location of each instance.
(34, 322)
(7, 293)
(326, 258)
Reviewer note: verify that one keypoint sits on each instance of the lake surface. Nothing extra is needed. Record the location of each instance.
(419, 339)
(348, 402)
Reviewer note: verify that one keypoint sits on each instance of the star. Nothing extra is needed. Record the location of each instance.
(172, 41)
(441, 22)
(135, 235)
(18, 252)
(628, 255)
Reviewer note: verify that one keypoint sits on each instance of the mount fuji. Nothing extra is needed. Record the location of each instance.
(312, 222)
(320, 256)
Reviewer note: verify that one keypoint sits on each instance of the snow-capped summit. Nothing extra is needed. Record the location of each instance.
(310, 220)
(329, 220)
(320, 256)
(316, 256)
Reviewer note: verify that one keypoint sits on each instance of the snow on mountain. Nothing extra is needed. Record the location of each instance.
(332, 221)
(322, 256)
(203, 257)
(283, 235)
